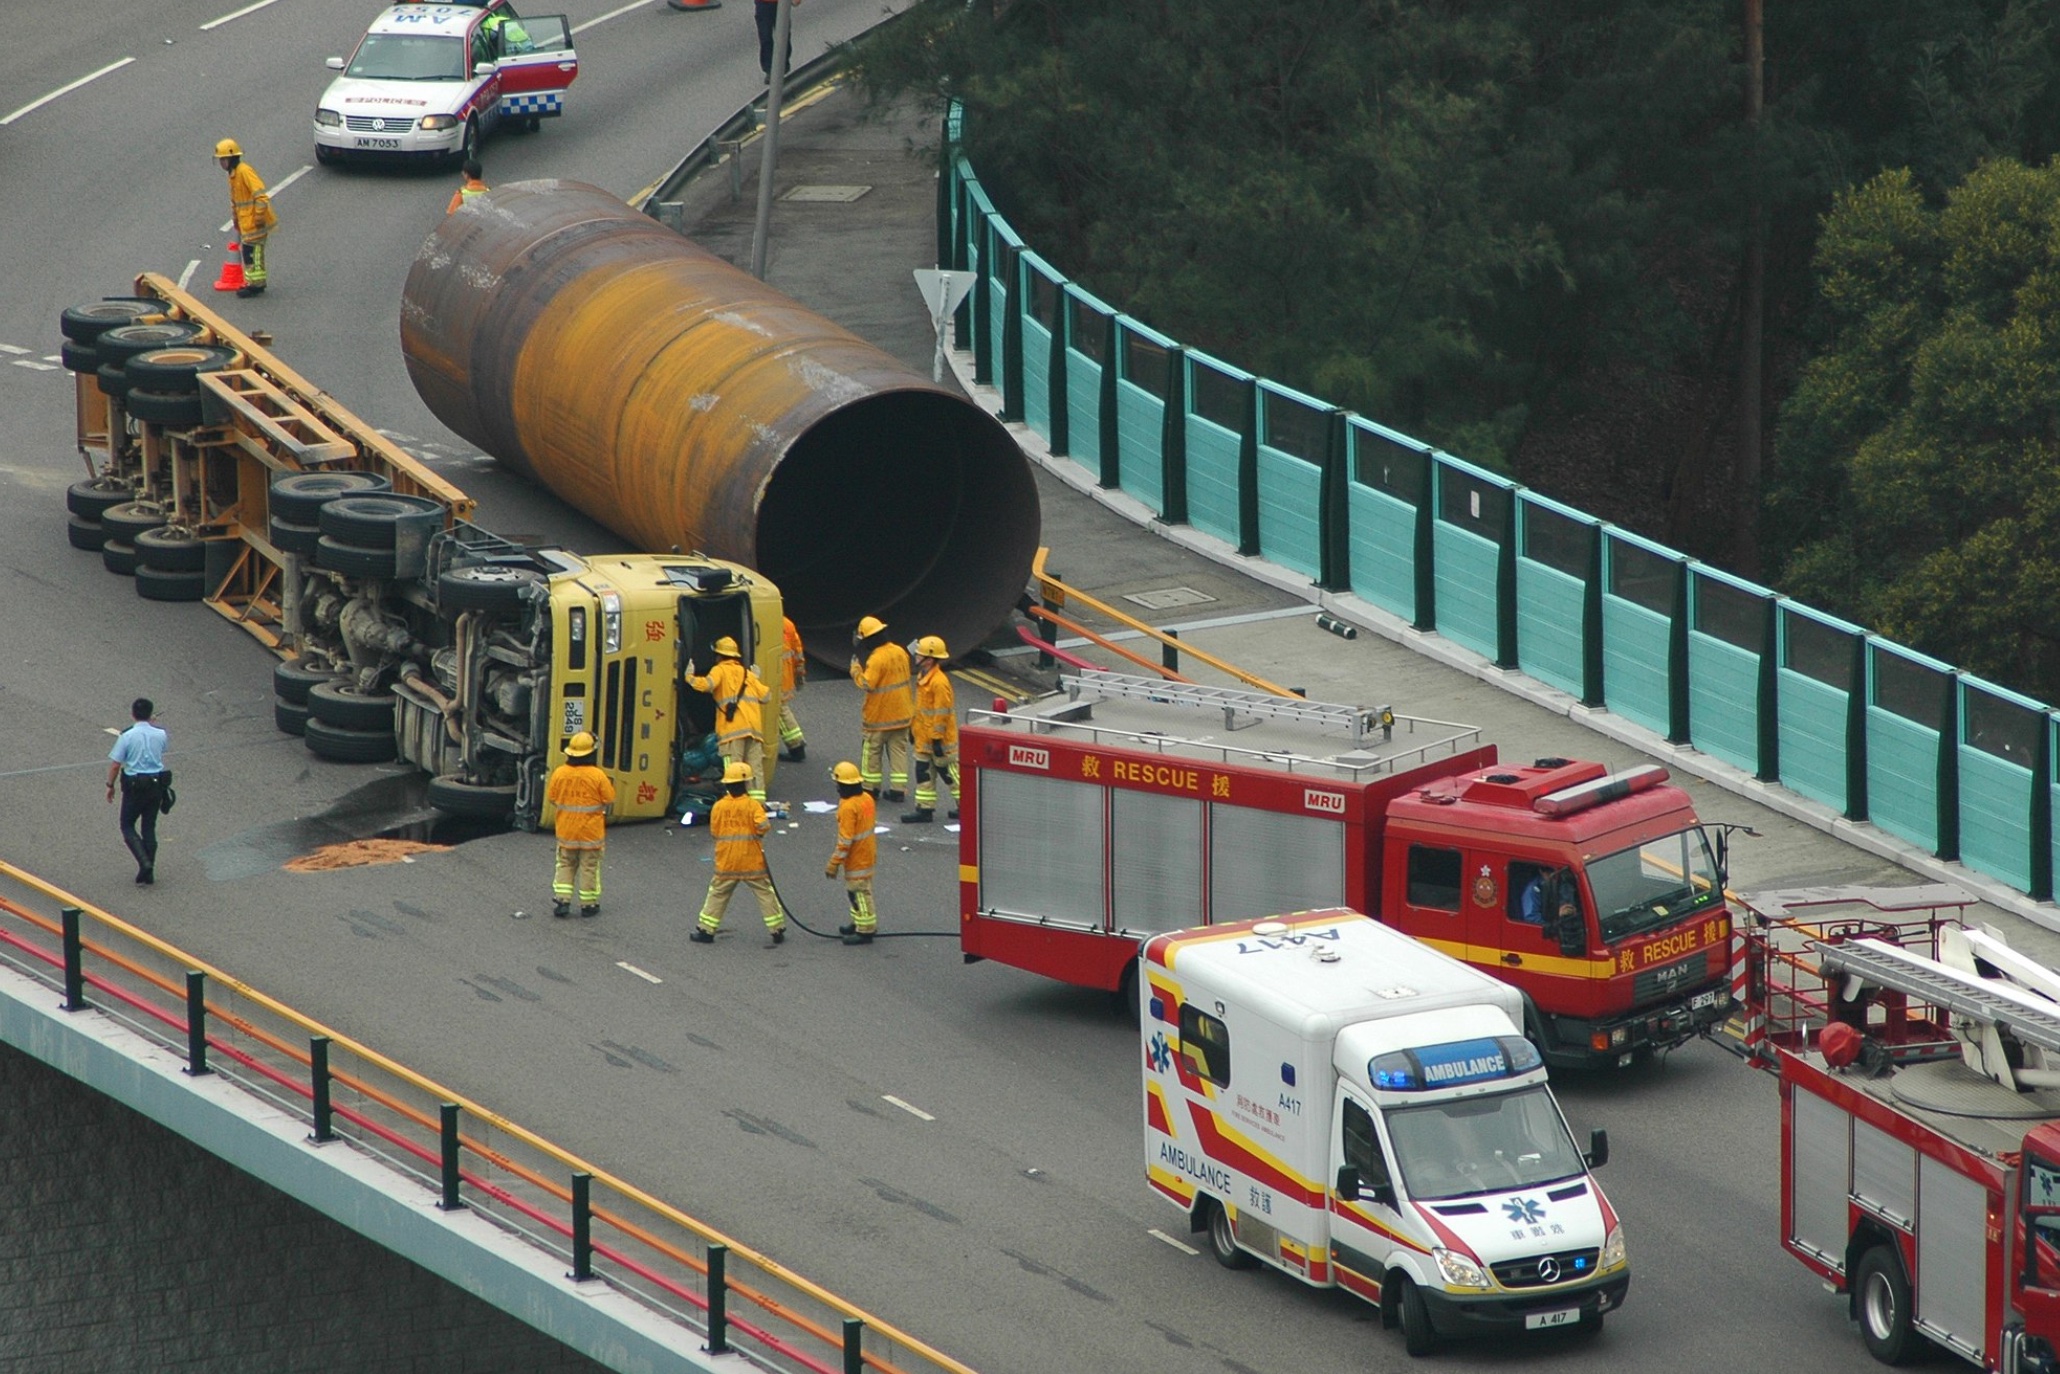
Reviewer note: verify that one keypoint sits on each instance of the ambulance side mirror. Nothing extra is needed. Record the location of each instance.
(1598, 1148)
(1348, 1183)
(1352, 1188)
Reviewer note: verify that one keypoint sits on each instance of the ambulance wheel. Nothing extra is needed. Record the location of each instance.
(1223, 1240)
(475, 801)
(1882, 1295)
(1417, 1336)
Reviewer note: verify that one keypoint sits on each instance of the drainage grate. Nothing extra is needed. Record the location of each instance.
(1166, 598)
(827, 195)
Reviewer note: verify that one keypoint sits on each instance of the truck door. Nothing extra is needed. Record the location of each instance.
(1361, 1226)
(704, 619)
(1425, 895)
(1510, 924)
(2037, 1252)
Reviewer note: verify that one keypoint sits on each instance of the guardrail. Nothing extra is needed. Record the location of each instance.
(606, 1230)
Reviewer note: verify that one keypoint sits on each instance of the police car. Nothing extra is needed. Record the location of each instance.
(431, 81)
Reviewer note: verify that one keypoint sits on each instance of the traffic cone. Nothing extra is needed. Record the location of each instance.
(689, 6)
(232, 270)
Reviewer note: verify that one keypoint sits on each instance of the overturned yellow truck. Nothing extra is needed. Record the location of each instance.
(765, 453)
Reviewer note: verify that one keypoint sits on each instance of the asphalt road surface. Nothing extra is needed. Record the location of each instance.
(1012, 1228)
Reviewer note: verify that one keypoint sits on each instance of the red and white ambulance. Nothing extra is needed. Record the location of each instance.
(1339, 1101)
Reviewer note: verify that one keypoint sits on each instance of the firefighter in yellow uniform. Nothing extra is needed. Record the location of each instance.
(254, 217)
(793, 676)
(582, 793)
(739, 724)
(889, 705)
(856, 853)
(935, 732)
(739, 825)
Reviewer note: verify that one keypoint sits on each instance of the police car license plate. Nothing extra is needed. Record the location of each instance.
(1564, 1318)
(1703, 999)
(379, 143)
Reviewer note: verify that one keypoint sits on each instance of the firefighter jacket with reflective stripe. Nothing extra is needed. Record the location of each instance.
(738, 693)
(884, 680)
(582, 793)
(254, 217)
(739, 825)
(857, 847)
(794, 664)
(936, 713)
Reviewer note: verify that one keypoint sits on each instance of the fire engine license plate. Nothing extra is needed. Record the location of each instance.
(1565, 1318)
(1703, 999)
(379, 143)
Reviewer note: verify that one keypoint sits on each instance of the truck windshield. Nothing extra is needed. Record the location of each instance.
(1654, 883)
(408, 57)
(1482, 1145)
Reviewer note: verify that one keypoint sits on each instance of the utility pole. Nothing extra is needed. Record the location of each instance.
(769, 160)
(1752, 315)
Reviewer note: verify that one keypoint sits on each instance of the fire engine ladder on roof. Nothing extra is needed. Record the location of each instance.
(1241, 709)
(1985, 1001)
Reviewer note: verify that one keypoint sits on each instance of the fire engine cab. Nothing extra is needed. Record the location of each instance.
(1122, 806)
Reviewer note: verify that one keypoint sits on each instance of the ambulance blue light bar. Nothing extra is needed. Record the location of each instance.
(1452, 1065)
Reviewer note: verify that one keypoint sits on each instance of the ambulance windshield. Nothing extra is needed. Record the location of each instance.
(1653, 884)
(1482, 1145)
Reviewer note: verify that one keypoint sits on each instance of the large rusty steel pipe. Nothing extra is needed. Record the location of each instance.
(686, 405)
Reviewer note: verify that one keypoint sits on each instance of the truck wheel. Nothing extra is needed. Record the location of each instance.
(290, 536)
(118, 556)
(131, 518)
(340, 744)
(290, 716)
(478, 801)
(157, 584)
(485, 587)
(85, 323)
(291, 682)
(369, 521)
(84, 533)
(164, 408)
(113, 380)
(344, 706)
(176, 371)
(300, 496)
(355, 559)
(1882, 1295)
(1223, 1239)
(92, 499)
(167, 551)
(123, 342)
(78, 357)
(1417, 1336)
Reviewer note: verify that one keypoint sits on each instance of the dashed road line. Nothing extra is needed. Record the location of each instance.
(236, 14)
(578, 29)
(647, 977)
(187, 275)
(10, 348)
(912, 1110)
(1156, 1234)
(40, 367)
(38, 104)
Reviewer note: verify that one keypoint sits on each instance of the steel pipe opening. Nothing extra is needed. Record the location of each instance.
(684, 404)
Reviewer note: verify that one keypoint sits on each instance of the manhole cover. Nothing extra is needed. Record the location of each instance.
(1166, 598)
(827, 195)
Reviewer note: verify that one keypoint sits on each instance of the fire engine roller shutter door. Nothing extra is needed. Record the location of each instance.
(1156, 863)
(1041, 848)
(1263, 863)
(1952, 1257)
(1820, 1158)
(1884, 1173)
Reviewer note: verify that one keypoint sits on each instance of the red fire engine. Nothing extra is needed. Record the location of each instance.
(1122, 807)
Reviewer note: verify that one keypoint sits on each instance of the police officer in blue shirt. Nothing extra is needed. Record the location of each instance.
(137, 761)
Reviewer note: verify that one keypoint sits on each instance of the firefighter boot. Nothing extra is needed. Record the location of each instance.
(856, 937)
(702, 937)
(590, 909)
(922, 815)
(895, 794)
(561, 908)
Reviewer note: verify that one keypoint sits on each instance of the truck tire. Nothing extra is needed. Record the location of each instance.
(156, 584)
(176, 371)
(1881, 1296)
(165, 408)
(354, 559)
(485, 587)
(85, 323)
(369, 521)
(118, 556)
(1223, 1239)
(300, 496)
(78, 357)
(113, 380)
(131, 518)
(1418, 1336)
(84, 533)
(339, 744)
(476, 801)
(92, 499)
(123, 342)
(290, 536)
(291, 682)
(344, 706)
(168, 550)
(290, 716)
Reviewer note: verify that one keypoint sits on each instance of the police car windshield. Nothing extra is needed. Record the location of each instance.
(1653, 884)
(1482, 1145)
(408, 57)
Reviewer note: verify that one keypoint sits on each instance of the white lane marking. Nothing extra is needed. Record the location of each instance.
(647, 977)
(187, 275)
(1156, 1234)
(237, 14)
(612, 14)
(911, 1110)
(65, 90)
(12, 348)
(40, 367)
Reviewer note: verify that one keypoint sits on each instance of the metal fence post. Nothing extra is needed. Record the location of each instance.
(1169, 654)
(451, 1201)
(74, 961)
(196, 1022)
(854, 1358)
(318, 1073)
(718, 1301)
(582, 1227)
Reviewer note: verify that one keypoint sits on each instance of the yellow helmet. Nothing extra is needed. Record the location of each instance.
(931, 646)
(228, 147)
(726, 647)
(579, 746)
(870, 625)
(736, 772)
(846, 773)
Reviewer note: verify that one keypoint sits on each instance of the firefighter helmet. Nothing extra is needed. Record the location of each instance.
(727, 648)
(579, 746)
(736, 772)
(846, 773)
(870, 625)
(932, 646)
(228, 147)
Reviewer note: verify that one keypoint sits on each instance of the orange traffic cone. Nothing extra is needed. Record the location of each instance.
(689, 6)
(232, 270)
